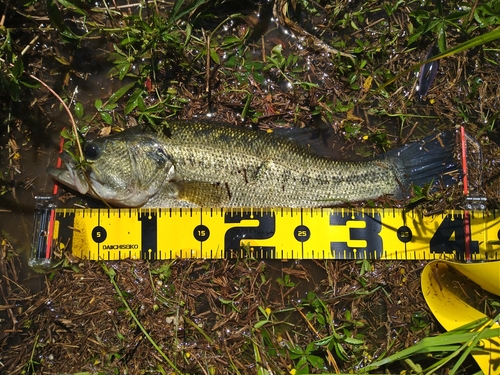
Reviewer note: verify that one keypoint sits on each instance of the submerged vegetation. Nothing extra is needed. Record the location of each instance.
(349, 66)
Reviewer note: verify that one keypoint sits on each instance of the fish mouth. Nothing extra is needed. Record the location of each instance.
(72, 176)
(77, 178)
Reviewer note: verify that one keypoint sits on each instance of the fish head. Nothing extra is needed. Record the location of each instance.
(124, 169)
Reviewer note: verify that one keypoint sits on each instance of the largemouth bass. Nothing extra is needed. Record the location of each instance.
(192, 164)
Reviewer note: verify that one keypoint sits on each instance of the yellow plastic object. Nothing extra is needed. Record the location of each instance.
(446, 297)
(269, 233)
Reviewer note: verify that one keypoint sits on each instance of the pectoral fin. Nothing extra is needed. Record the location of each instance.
(203, 193)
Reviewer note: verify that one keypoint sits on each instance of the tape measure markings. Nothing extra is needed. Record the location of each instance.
(333, 233)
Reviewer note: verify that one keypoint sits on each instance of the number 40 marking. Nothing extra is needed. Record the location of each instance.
(442, 242)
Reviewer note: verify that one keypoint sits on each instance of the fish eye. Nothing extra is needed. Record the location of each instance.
(91, 151)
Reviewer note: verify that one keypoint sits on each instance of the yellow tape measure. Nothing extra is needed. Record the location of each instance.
(281, 233)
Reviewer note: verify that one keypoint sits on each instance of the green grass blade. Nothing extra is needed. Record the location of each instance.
(464, 337)
(472, 43)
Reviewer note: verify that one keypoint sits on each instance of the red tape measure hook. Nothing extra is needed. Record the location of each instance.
(474, 200)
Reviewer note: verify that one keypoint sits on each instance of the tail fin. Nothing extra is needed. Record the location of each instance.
(429, 161)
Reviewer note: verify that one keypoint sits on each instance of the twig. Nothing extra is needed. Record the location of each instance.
(71, 119)
(111, 273)
(330, 356)
(207, 67)
(73, 126)
(2, 21)
(30, 44)
(280, 11)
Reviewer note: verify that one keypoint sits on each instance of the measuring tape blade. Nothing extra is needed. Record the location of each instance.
(281, 233)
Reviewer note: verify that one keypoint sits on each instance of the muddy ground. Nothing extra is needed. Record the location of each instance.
(257, 64)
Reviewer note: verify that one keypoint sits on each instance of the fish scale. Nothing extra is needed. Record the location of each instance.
(278, 171)
(195, 163)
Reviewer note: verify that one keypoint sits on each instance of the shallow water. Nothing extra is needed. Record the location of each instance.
(87, 79)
